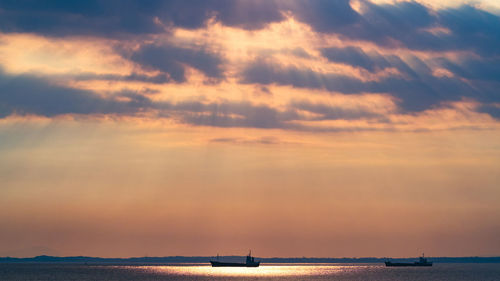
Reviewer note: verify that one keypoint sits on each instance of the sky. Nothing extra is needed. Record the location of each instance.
(290, 127)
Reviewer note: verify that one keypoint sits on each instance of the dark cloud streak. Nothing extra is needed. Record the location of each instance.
(172, 60)
(30, 95)
(333, 112)
(26, 94)
(407, 24)
(130, 17)
(154, 79)
(390, 25)
(417, 92)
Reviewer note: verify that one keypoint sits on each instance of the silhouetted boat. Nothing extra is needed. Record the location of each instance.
(250, 262)
(421, 262)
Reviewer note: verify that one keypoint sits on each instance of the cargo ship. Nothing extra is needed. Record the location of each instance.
(250, 262)
(421, 262)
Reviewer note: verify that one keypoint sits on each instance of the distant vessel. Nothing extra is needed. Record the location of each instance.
(421, 262)
(249, 263)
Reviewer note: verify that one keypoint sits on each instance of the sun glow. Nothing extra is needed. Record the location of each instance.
(271, 270)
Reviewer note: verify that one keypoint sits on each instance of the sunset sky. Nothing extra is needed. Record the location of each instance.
(317, 128)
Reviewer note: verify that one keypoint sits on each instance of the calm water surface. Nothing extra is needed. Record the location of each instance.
(295, 272)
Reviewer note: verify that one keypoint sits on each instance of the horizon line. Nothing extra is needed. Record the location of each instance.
(233, 255)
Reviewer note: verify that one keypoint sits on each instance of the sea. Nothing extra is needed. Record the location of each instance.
(281, 272)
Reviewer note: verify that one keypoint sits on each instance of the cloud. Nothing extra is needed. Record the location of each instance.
(154, 79)
(483, 74)
(130, 17)
(233, 114)
(324, 15)
(263, 140)
(472, 29)
(486, 69)
(373, 61)
(469, 75)
(334, 112)
(30, 95)
(69, 18)
(353, 56)
(382, 24)
(405, 23)
(267, 71)
(417, 92)
(422, 81)
(247, 14)
(172, 60)
(493, 109)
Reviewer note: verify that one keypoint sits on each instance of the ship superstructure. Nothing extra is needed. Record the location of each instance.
(250, 262)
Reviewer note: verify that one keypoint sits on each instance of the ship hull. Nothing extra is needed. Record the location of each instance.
(234, 264)
(388, 263)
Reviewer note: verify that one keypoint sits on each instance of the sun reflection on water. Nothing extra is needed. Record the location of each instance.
(264, 270)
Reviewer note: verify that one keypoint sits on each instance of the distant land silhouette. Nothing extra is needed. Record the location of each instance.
(206, 259)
